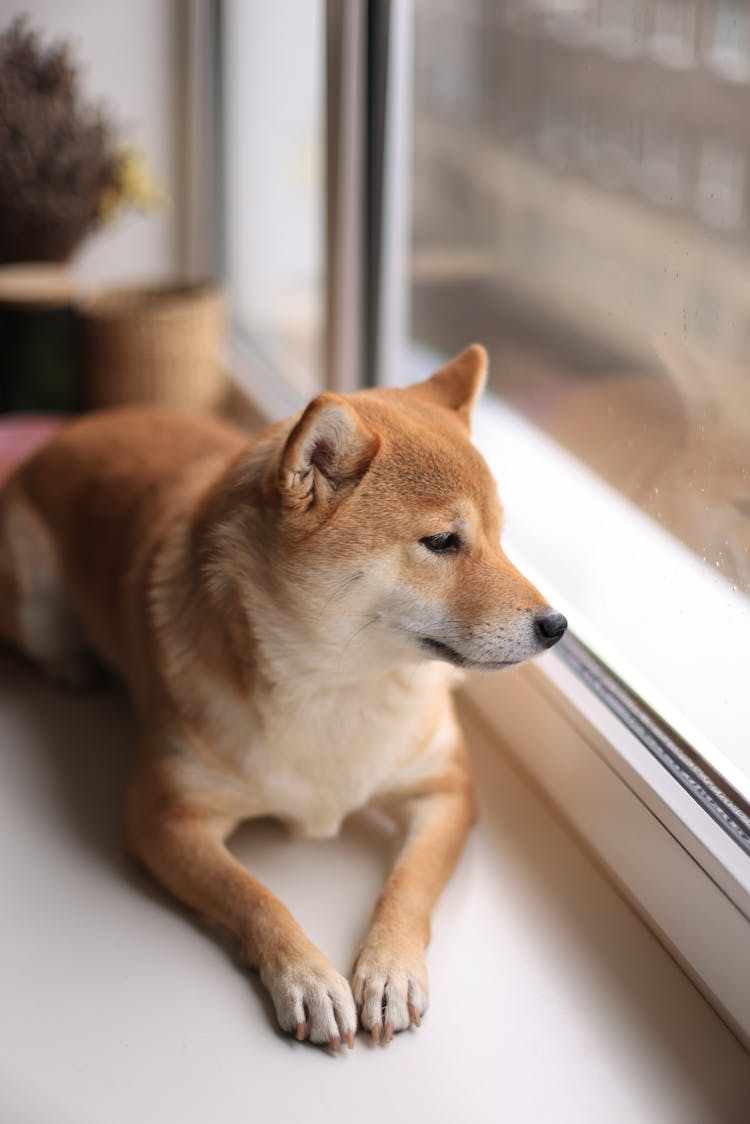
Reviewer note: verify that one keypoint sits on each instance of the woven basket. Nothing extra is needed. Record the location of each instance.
(159, 345)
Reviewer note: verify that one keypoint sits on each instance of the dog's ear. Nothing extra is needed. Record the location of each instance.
(459, 383)
(325, 456)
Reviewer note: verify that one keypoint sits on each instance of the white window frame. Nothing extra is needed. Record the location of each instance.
(685, 876)
(684, 873)
(662, 619)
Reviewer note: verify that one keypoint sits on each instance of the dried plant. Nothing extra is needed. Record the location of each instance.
(58, 155)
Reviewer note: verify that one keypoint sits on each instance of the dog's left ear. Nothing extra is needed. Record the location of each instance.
(325, 456)
(459, 383)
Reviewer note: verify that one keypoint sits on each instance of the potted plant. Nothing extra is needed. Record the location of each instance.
(63, 173)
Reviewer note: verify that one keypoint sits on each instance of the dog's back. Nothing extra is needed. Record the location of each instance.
(78, 520)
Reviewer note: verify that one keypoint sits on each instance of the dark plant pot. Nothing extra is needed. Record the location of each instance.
(40, 350)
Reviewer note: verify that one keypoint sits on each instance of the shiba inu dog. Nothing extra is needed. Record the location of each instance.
(285, 611)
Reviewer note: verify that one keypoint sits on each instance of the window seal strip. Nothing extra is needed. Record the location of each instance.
(723, 805)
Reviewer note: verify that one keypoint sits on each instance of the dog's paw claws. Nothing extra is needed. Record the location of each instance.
(314, 1002)
(390, 991)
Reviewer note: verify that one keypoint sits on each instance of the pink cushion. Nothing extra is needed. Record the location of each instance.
(20, 435)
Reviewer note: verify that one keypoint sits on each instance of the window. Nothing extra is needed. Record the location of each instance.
(274, 177)
(578, 203)
(580, 206)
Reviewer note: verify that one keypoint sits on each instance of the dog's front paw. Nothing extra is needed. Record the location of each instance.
(390, 987)
(313, 1001)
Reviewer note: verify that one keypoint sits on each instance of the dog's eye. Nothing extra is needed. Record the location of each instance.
(445, 543)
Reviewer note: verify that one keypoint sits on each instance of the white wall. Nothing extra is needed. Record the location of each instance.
(129, 57)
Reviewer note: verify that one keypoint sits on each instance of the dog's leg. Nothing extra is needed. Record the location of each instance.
(182, 843)
(390, 976)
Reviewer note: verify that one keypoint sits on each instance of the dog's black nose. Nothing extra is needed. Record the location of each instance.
(550, 626)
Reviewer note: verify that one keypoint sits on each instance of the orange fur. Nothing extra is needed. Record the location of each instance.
(278, 608)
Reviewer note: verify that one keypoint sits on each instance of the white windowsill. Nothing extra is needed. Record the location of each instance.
(686, 877)
(654, 614)
(547, 990)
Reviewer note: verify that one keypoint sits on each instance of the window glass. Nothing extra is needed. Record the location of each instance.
(580, 206)
(273, 141)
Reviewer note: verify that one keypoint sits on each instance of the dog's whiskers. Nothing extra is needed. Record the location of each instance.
(340, 589)
(371, 620)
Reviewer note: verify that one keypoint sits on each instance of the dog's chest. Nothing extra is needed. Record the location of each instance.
(314, 758)
(314, 770)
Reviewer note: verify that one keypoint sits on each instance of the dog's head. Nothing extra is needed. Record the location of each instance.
(390, 528)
